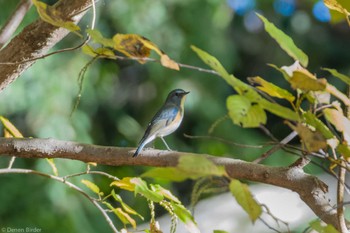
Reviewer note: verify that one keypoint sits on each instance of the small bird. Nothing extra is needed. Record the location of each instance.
(166, 120)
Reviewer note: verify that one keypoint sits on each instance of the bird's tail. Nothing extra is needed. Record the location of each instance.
(137, 152)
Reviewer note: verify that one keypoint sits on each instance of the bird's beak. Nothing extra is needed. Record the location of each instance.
(186, 92)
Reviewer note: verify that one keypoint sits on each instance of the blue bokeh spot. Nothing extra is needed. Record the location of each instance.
(321, 12)
(284, 7)
(241, 6)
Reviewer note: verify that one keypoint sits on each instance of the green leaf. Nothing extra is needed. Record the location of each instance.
(124, 183)
(220, 231)
(245, 113)
(168, 173)
(164, 192)
(92, 186)
(312, 120)
(279, 110)
(320, 228)
(98, 38)
(125, 207)
(10, 127)
(344, 150)
(142, 188)
(185, 216)
(304, 81)
(102, 52)
(335, 73)
(195, 166)
(272, 90)
(239, 86)
(245, 199)
(50, 15)
(285, 42)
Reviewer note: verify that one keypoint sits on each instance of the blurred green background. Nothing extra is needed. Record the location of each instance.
(120, 97)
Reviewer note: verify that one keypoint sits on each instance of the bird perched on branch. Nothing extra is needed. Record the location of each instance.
(166, 120)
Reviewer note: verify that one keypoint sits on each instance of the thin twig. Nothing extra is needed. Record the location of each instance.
(64, 181)
(276, 147)
(224, 141)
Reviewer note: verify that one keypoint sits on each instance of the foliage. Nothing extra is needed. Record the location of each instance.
(308, 113)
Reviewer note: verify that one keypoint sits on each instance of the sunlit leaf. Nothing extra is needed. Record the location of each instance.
(341, 123)
(50, 15)
(125, 207)
(307, 82)
(272, 89)
(312, 120)
(125, 217)
(245, 113)
(195, 166)
(245, 199)
(342, 77)
(285, 42)
(98, 38)
(10, 128)
(312, 140)
(167, 62)
(166, 193)
(124, 183)
(92, 186)
(336, 6)
(279, 110)
(53, 166)
(320, 227)
(185, 216)
(142, 188)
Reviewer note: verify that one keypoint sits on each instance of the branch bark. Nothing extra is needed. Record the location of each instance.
(311, 190)
(13, 22)
(36, 39)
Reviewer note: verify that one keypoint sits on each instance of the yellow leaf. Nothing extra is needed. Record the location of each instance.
(12, 130)
(304, 80)
(125, 183)
(312, 140)
(125, 217)
(102, 52)
(336, 6)
(92, 186)
(50, 15)
(272, 90)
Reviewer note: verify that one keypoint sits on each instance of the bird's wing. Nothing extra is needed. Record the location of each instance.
(162, 119)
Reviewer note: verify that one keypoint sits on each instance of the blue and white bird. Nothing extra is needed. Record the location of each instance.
(166, 120)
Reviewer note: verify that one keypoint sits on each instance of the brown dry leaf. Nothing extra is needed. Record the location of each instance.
(133, 45)
(334, 5)
(304, 80)
(312, 140)
(167, 62)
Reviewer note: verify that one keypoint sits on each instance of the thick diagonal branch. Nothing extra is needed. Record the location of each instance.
(36, 39)
(311, 190)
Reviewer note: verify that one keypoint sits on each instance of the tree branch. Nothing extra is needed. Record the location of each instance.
(311, 190)
(13, 22)
(36, 39)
